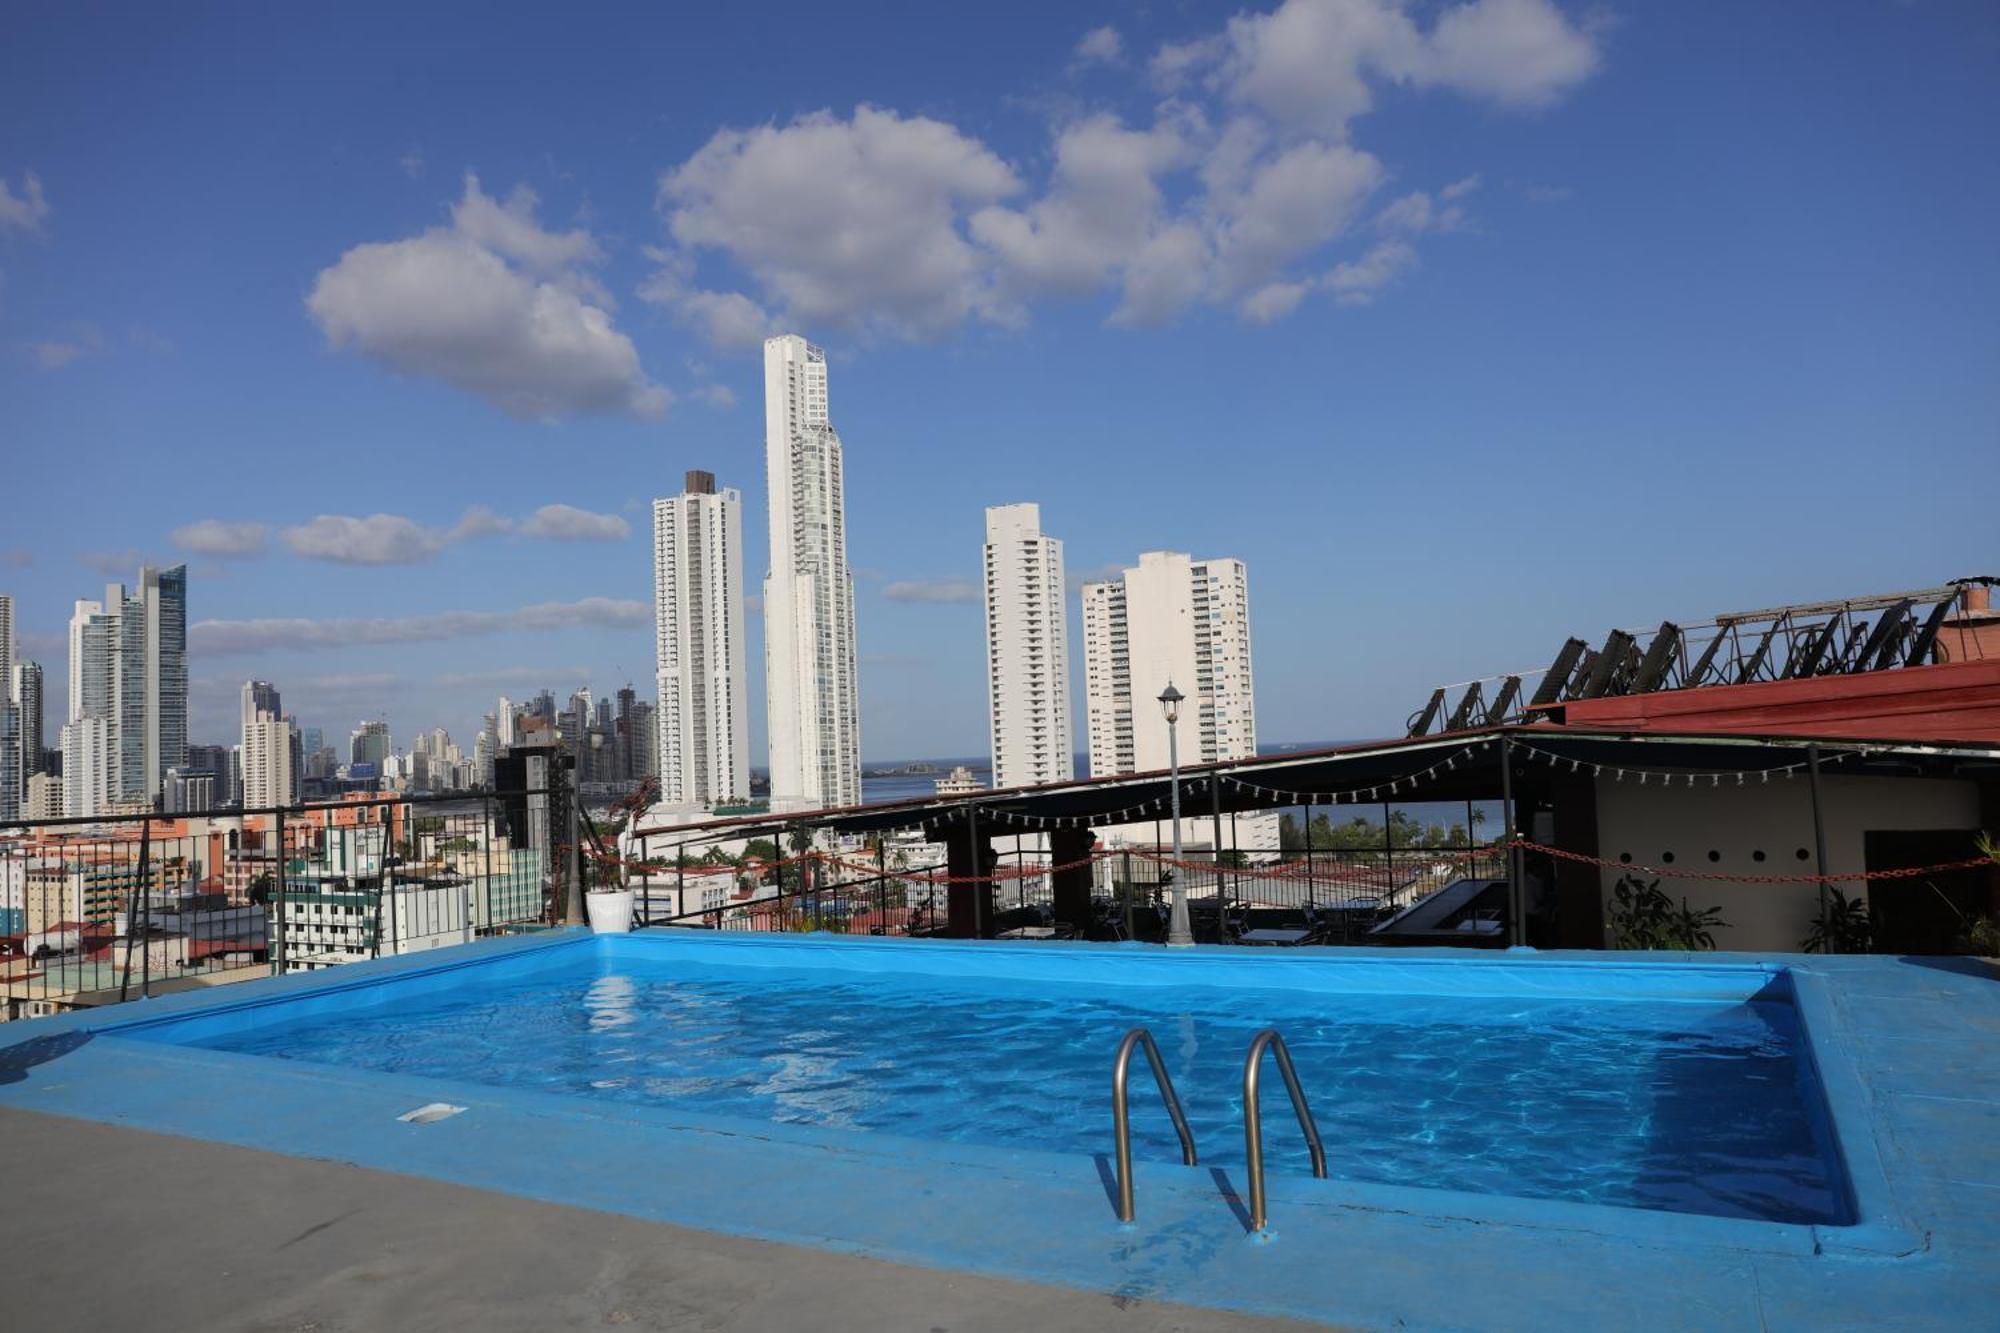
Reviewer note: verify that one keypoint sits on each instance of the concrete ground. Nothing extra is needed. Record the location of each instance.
(104, 1227)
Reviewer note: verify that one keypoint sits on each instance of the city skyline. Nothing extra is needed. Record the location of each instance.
(1506, 301)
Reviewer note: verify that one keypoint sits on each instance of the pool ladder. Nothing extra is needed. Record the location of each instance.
(1121, 1116)
(1253, 1120)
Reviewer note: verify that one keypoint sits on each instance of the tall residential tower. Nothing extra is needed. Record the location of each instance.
(1169, 619)
(1027, 650)
(812, 695)
(703, 724)
(128, 673)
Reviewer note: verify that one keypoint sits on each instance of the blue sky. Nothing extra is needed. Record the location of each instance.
(1466, 326)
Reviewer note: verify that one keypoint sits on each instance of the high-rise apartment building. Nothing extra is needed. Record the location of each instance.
(87, 771)
(507, 719)
(13, 769)
(128, 669)
(812, 694)
(151, 683)
(369, 744)
(268, 769)
(1169, 619)
(703, 725)
(26, 697)
(214, 759)
(1027, 650)
(259, 696)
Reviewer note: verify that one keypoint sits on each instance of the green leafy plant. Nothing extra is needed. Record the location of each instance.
(1844, 926)
(1642, 917)
(1981, 935)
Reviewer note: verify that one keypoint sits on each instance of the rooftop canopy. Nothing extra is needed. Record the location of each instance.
(1456, 766)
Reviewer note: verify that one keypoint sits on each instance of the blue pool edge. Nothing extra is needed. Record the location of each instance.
(1301, 1207)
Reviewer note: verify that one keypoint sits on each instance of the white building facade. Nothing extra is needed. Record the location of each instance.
(702, 724)
(267, 762)
(128, 668)
(812, 694)
(1169, 619)
(13, 770)
(86, 747)
(1027, 650)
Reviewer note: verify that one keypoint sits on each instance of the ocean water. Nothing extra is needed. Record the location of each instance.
(1689, 1107)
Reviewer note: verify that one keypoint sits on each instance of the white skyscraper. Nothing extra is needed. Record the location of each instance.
(267, 748)
(28, 698)
(1169, 619)
(86, 747)
(128, 667)
(813, 702)
(506, 718)
(13, 772)
(1027, 650)
(703, 723)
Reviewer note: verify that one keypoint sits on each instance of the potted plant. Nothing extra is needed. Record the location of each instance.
(608, 903)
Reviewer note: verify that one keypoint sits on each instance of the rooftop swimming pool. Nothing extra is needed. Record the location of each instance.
(1687, 1090)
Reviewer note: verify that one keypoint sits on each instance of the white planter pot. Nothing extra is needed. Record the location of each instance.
(610, 913)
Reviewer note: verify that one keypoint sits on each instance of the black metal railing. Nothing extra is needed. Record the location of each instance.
(101, 909)
(1327, 896)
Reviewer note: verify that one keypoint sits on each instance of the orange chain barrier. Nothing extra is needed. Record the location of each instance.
(1296, 869)
(1674, 872)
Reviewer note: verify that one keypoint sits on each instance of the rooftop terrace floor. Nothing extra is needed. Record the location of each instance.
(1920, 1039)
(115, 1228)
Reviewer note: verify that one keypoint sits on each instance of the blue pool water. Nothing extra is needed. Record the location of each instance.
(1695, 1106)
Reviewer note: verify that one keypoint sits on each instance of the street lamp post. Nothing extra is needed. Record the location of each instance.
(1179, 935)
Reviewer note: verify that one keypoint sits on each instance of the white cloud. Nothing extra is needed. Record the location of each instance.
(1174, 63)
(220, 638)
(412, 163)
(494, 305)
(57, 353)
(1102, 206)
(478, 521)
(718, 396)
(1234, 194)
(1418, 212)
(1165, 277)
(1311, 65)
(393, 539)
(26, 211)
(217, 537)
(1076, 578)
(937, 591)
(1099, 46)
(853, 222)
(1515, 52)
(114, 564)
(1358, 281)
(1295, 202)
(1272, 302)
(379, 539)
(559, 522)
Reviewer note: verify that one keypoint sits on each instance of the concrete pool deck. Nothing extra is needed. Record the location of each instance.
(1920, 1035)
(208, 1237)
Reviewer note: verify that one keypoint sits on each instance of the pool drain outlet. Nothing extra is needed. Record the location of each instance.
(425, 1115)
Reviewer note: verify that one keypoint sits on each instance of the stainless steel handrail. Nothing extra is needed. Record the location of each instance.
(1253, 1123)
(1121, 1119)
